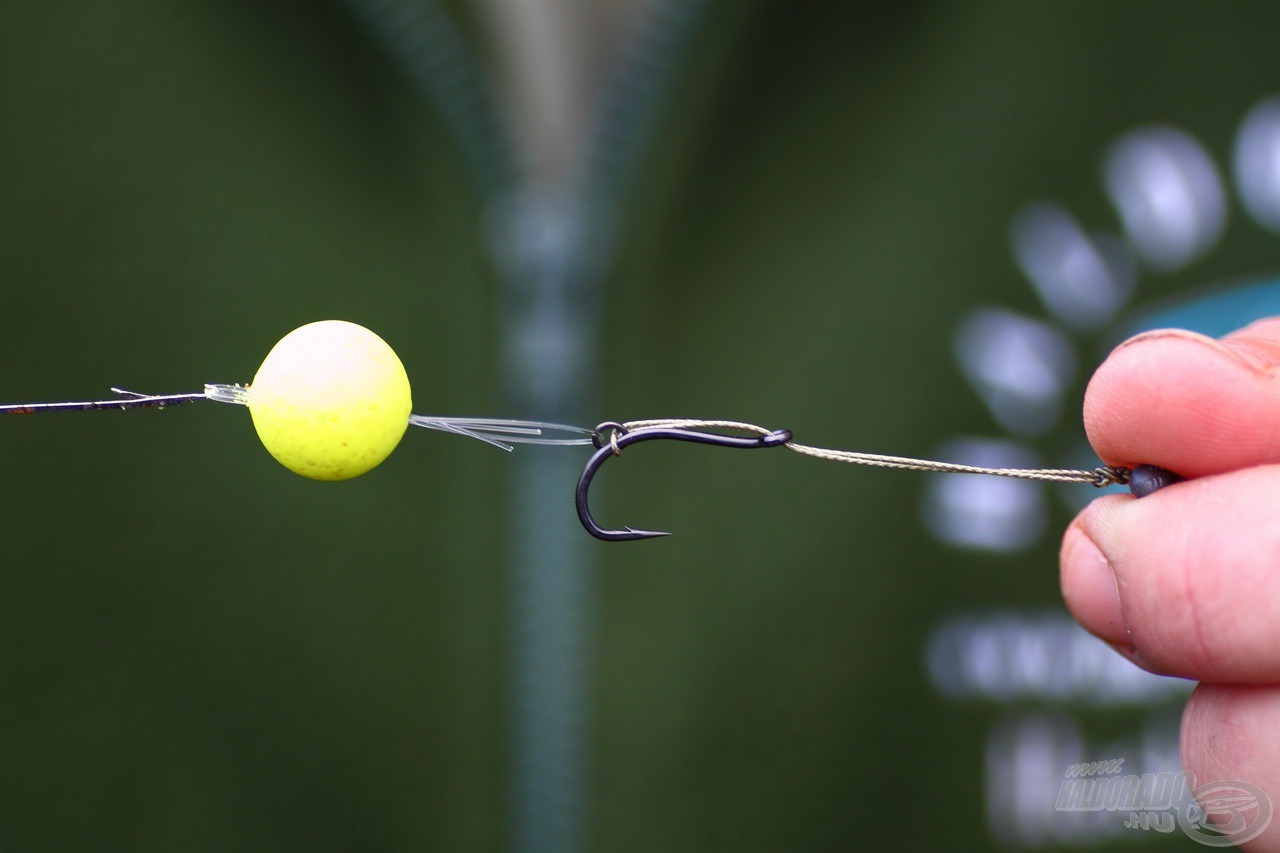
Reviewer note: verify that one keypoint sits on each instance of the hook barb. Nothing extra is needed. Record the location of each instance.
(622, 438)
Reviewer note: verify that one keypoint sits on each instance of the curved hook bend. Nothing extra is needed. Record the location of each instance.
(624, 438)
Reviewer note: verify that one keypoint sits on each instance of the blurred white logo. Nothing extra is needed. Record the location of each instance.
(1224, 814)
(1216, 814)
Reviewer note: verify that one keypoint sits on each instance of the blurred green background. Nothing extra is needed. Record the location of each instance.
(205, 652)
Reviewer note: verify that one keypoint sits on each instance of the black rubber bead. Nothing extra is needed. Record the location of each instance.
(1146, 479)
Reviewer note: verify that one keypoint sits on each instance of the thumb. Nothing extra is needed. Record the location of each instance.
(1187, 402)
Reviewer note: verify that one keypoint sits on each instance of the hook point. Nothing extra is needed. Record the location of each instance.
(627, 534)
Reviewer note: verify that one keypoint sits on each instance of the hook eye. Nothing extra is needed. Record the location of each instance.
(621, 439)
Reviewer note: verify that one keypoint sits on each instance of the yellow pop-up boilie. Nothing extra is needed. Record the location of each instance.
(330, 401)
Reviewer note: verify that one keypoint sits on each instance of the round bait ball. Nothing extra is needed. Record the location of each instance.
(330, 401)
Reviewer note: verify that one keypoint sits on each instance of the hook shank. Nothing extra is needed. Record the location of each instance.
(622, 438)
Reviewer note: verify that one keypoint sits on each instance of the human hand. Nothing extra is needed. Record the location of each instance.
(1186, 581)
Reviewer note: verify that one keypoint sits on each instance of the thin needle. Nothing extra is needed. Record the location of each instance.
(127, 400)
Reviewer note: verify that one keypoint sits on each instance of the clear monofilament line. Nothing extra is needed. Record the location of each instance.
(499, 432)
(235, 394)
(503, 433)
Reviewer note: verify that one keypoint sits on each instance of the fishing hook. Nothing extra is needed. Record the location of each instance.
(620, 437)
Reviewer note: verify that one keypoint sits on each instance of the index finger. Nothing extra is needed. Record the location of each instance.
(1189, 403)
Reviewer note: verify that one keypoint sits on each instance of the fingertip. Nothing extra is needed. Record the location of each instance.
(1089, 586)
(1220, 726)
(1191, 573)
(1187, 402)
(1231, 733)
(1257, 343)
(1268, 327)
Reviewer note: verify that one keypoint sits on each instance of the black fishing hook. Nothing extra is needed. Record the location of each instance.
(621, 437)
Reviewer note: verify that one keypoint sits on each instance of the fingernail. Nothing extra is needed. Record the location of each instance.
(1259, 355)
(1242, 351)
(1130, 653)
(1089, 588)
